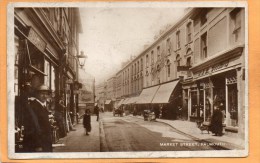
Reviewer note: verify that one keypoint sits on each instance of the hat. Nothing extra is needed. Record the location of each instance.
(43, 88)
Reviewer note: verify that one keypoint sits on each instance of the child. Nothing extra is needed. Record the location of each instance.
(86, 121)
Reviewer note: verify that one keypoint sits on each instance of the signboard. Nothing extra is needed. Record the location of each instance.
(36, 39)
(212, 69)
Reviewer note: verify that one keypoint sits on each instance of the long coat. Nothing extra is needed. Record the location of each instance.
(37, 128)
(216, 122)
(86, 122)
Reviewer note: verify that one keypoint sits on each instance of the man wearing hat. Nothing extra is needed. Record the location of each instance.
(38, 133)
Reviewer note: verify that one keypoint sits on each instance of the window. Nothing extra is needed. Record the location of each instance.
(168, 46)
(141, 64)
(178, 43)
(152, 58)
(236, 20)
(204, 46)
(203, 17)
(178, 60)
(147, 60)
(137, 66)
(158, 53)
(189, 32)
(168, 68)
(188, 64)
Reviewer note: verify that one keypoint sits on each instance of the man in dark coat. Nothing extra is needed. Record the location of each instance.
(216, 122)
(38, 132)
(96, 111)
(86, 121)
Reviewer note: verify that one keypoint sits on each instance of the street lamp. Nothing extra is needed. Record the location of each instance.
(82, 59)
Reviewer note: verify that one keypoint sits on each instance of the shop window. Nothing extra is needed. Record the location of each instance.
(47, 72)
(194, 103)
(236, 21)
(204, 50)
(232, 100)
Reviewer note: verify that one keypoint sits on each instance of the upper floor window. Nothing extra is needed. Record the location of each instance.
(158, 53)
(168, 68)
(141, 64)
(178, 43)
(147, 60)
(138, 66)
(178, 60)
(168, 46)
(236, 20)
(189, 32)
(203, 17)
(152, 57)
(204, 51)
(188, 64)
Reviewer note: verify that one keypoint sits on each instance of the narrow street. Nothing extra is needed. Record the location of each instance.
(128, 133)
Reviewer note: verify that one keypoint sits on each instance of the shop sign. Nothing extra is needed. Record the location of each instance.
(212, 69)
(36, 40)
(183, 68)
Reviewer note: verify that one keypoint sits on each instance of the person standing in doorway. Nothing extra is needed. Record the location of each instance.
(86, 121)
(96, 111)
(38, 134)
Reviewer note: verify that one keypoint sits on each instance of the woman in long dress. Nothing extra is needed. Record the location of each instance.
(86, 121)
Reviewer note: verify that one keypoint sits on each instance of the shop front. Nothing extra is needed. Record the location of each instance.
(34, 65)
(219, 83)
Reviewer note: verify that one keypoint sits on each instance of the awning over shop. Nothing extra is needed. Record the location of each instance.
(147, 95)
(108, 102)
(164, 92)
(132, 100)
(125, 101)
(120, 102)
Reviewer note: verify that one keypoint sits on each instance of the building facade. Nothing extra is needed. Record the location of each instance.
(196, 65)
(46, 44)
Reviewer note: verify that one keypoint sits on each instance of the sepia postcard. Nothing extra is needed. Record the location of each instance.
(127, 80)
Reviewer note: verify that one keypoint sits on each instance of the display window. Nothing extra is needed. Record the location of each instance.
(194, 103)
(232, 100)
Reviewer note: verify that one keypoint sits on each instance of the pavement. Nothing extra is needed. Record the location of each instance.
(228, 140)
(77, 141)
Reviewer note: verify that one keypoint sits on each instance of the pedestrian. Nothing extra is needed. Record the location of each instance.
(38, 133)
(216, 122)
(96, 111)
(86, 121)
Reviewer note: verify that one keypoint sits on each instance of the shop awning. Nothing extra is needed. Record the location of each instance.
(125, 101)
(164, 92)
(133, 100)
(108, 102)
(120, 102)
(147, 95)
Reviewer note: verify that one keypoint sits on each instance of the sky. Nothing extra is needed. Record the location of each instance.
(111, 35)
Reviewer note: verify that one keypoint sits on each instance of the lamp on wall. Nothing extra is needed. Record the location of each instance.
(82, 59)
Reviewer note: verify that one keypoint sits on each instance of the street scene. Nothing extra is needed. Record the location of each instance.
(128, 79)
